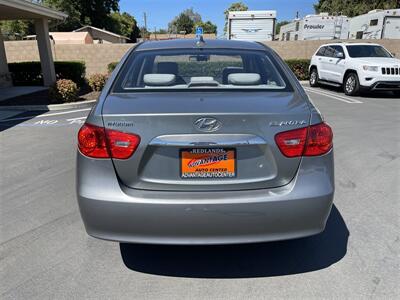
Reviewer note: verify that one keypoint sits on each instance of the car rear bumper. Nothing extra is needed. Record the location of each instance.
(113, 212)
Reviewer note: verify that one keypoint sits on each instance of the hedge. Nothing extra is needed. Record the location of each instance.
(299, 67)
(30, 73)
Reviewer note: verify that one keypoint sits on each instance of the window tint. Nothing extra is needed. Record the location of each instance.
(338, 49)
(367, 51)
(373, 22)
(321, 51)
(329, 52)
(199, 68)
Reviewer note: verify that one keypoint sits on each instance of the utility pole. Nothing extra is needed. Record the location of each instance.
(145, 25)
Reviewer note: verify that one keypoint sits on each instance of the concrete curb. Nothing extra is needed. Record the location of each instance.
(303, 81)
(51, 107)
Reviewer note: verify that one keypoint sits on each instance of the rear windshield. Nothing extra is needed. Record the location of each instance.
(367, 51)
(185, 69)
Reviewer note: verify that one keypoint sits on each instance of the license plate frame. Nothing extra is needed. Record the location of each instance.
(207, 163)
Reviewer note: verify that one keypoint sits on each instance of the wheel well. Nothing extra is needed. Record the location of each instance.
(347, 73)
(313, 67)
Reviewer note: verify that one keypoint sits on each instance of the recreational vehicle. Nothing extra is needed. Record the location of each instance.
(251, 25)
(377, 24)
(316, 27)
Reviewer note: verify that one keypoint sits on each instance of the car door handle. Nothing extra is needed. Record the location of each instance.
(331, 60)
(319, 58)
(190, 140)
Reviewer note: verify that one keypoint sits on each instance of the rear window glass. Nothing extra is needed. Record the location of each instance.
(185, 69)
(367, 51)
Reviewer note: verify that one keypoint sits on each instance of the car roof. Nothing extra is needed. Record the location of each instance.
(192, 43)
(350, 44)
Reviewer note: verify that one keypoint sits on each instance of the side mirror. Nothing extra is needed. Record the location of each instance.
(340, 55)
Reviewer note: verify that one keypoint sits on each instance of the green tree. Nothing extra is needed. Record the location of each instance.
(124, 24)
(184, 23)
(279, 25)
(83, 12)
(16, 29)
(135, 32)
(190, 13)
(354, 7)
(208, 27)
(69, 7)
(236, 6)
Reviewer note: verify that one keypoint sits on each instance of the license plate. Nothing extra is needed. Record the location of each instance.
(208, 163)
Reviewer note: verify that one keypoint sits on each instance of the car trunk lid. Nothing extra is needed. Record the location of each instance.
(189, 132)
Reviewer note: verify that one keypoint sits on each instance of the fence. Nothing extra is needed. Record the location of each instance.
(98, 56)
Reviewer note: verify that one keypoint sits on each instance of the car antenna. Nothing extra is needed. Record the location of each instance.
(200, 41)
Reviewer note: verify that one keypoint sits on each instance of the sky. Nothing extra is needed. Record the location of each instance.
(161, 12)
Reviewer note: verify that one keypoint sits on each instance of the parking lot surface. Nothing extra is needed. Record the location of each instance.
(46, 254)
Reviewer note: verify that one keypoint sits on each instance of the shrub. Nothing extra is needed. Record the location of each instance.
(30, 73)
(111, 66)
(73, 70)
(64, 90)
(299, 67)
(97, 81)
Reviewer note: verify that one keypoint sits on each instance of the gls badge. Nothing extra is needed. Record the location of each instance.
(287, 123)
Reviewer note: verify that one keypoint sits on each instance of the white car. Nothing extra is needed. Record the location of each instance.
(357, 67)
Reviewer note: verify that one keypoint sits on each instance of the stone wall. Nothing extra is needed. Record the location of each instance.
(95, 56)
(98, 56)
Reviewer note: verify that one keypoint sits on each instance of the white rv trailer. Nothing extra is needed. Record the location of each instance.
(251, 25)
(316, 27)
(377, 24)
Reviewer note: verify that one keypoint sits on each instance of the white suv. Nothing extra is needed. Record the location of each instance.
(357, 67)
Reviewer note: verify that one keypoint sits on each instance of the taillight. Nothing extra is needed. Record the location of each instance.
(309, 141)
(319, 140)
(122, 145)
(98, 142)
(92, 141)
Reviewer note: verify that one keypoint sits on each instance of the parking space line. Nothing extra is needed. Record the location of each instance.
(331, 95)
(73, 119)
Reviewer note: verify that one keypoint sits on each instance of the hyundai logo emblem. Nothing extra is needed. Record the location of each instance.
(207, 124)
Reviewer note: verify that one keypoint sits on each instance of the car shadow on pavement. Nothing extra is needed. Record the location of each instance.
(15, 119)
(245, 260)
(365, 94)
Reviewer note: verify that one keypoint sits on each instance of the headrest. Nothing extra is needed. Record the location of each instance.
(159, 79)
(244, 79)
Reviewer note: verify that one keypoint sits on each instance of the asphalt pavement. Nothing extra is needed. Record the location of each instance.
(45, 252)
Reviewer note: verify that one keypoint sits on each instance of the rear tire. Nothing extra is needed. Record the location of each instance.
(314, 77)
(351, 85)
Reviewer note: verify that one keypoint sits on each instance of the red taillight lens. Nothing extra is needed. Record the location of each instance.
(291, 143)
(122, 145)
(97, 142)
(309, 141)
(319, 140)
(92, 141)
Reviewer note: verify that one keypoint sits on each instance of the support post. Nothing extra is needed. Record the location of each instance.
(46, 57)
(5, 77)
